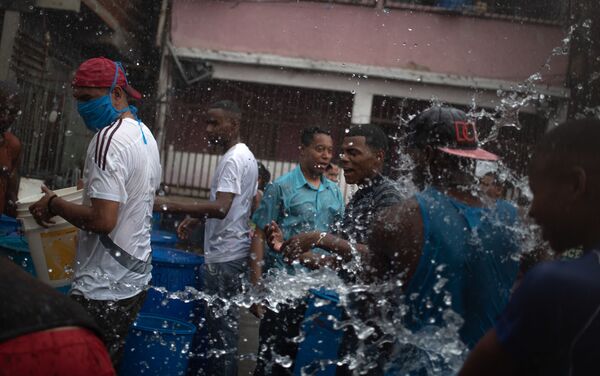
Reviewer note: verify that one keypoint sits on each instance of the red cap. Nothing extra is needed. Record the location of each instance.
(100, 72)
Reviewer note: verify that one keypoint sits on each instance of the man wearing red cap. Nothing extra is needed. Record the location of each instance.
(452, 250)
(122, 172)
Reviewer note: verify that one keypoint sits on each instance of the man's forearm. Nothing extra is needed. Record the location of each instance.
(316, 261)
(204, 208)
(256, 256)
(12, 192)
(83, 217)
(489, 358)
(340, 246)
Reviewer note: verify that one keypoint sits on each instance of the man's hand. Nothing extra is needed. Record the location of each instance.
(298, 245)
(186, 226)
(10, 208)
(39, 210)
(274, 236)
(160, 204)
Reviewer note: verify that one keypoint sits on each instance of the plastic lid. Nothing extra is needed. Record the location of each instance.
(163, 237)
(168, 325)
(175, 256)
(15, 243)
(69, 194)
(326, 294)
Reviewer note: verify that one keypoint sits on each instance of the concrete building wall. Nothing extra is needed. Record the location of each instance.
(421, 41)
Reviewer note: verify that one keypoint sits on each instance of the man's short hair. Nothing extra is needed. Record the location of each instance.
(308, 134)
(572, 143)
(228, 106)
(264, 173)
(375, 139)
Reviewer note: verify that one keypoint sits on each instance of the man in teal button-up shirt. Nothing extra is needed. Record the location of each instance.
(298, 207)
(302, 200)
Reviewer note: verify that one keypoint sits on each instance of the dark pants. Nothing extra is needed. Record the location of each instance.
(223, 280)
(276, 334)
(114, 317)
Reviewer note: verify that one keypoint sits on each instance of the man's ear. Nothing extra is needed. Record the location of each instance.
(577, 181)
(301, 149)
(428, 154)
(118, 93)
(236, 122)
(118, 98)
(380, 155)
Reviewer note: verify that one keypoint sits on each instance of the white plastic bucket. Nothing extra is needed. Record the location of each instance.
(52, 249)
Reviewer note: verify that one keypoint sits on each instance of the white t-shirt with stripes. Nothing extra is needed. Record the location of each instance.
(119, 167)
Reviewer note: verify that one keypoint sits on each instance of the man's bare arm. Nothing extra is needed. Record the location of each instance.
(211, 209)
(396, 241)
(12, 190)
(489, 358)
(257, 249)
(340, 247)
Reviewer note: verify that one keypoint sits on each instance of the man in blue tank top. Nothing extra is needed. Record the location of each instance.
(551, 325)
(454, 252)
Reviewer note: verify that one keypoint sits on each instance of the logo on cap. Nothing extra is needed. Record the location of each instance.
(465, 132)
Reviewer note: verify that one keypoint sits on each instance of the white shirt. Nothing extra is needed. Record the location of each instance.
(119, 167)
(228, 239)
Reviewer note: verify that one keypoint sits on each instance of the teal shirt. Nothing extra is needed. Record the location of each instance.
(298, 207)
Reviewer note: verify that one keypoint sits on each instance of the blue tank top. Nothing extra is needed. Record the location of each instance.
(468, 263)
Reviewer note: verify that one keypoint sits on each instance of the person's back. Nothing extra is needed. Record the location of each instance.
(467, 263)
(44, 332)
(562, 298)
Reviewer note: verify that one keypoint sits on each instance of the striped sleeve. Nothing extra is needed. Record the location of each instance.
(108, 172)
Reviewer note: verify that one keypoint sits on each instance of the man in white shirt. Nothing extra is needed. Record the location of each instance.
(227, 231)
(122, 172)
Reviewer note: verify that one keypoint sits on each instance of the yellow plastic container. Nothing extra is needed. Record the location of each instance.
(52, 249)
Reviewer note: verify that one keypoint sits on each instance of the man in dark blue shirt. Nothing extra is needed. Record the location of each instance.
(552, 323)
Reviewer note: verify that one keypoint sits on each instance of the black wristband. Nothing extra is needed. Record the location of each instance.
(48, 206)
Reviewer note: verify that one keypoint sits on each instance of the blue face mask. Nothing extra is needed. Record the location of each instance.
(98, 113)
